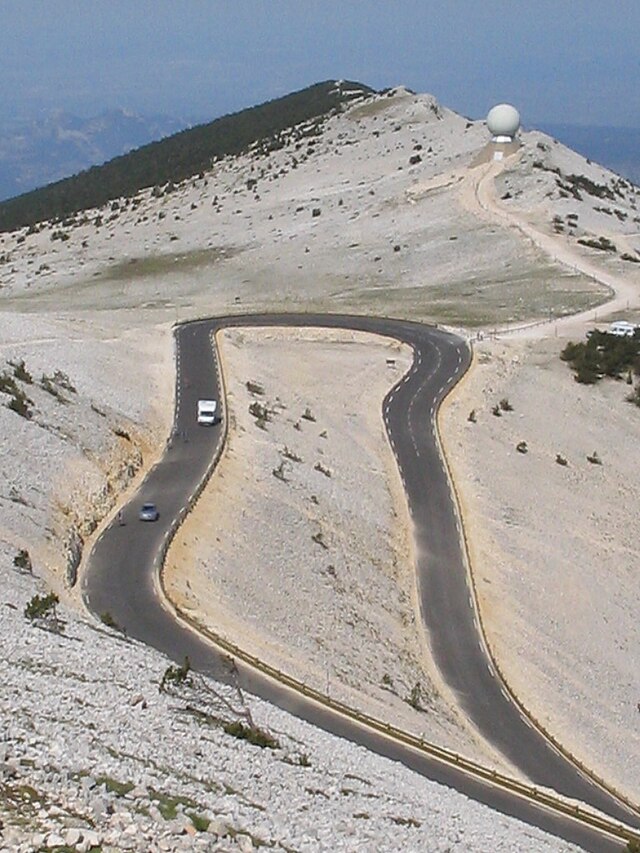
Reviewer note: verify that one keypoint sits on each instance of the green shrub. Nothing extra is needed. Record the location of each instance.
(42, 607)
(19, 402)
(20, 405)
(22, 561)
(279, 473)
(176, 675)
(260, 413)
(603, 244)
(20, 372)
(252, 734)
(53, 384)
(200, 823)
(290, 454)
(107, 619)
(415, 697)
(120, 789)
(570, 352)
(603, 354)
(586, 374)
(254, 388)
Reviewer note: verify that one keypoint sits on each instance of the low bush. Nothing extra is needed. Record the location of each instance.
(290, 454)
(19, 402)
(22, 561)
(254, 388)
(260, 413)
(252, 734)
(200, 822)
(415, 697)
(41, 610)
(279, 473)
(175, 675)
(107, 619)
(20, 372)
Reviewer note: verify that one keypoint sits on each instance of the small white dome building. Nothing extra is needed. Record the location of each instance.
(503, 122)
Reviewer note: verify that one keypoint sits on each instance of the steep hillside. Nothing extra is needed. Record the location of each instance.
(180, 156)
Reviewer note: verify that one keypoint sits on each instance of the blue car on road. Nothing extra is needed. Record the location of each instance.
(148, 512)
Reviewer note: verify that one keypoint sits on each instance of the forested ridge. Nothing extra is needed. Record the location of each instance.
(177, 157)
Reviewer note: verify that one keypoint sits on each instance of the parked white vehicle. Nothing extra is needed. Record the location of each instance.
(207, 412)
(622, 328)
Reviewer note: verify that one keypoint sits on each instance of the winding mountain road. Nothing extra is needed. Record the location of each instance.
(122, 573)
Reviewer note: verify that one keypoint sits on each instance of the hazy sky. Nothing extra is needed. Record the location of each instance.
(556, 60)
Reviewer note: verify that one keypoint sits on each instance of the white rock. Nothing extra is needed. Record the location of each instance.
(91, 837)
(218, 826)
(245, 844)
(72, 836)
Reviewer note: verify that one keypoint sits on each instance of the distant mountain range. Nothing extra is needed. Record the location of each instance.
(182, 154)
(617, 148)
(36, 153)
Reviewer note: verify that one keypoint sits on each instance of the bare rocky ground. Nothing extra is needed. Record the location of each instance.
(554, 546)
(301, 548)
(94, 756)
(340, 221)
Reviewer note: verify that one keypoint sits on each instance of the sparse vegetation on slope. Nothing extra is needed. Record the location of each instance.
(162, 164)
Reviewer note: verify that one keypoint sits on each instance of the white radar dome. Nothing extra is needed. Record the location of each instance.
(503, 122)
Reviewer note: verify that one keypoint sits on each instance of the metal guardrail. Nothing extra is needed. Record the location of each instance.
(543, 797)
(512, 693)
(555, 802)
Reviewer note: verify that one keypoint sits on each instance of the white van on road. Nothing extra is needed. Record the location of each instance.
(207, 412)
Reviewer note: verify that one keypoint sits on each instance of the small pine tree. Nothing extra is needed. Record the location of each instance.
(22, 560)
(42, 607)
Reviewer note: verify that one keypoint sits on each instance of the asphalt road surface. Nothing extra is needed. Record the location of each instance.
(121, 578)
